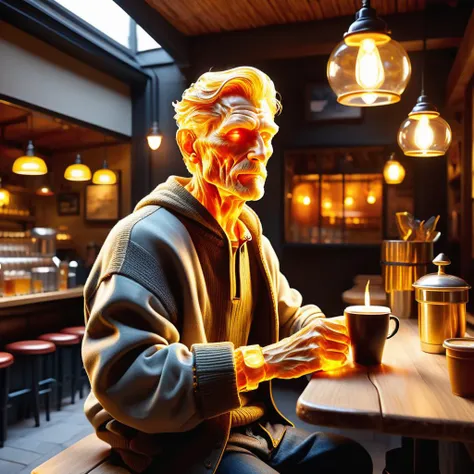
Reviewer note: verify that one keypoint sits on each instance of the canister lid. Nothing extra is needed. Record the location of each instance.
(465, 344)
(441, 281)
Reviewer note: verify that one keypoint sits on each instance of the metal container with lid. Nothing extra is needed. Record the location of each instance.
(442, 302)
(404, 262)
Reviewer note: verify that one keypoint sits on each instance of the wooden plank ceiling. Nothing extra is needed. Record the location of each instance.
(49, 134)
(197, 17)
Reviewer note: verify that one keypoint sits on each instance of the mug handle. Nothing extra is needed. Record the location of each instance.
(397, 326)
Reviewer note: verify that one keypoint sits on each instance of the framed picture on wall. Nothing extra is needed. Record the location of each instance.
(102, 202)
(321, 105)
(69, 204)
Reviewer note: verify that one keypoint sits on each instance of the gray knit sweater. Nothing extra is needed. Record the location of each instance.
(157, 305)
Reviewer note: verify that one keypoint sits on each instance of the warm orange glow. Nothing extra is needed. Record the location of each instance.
(349, 201)
(367, 294)
(44, 191)
(303, 203)
(393, 172)
(327, 204)
(4, 197)
(371, 199)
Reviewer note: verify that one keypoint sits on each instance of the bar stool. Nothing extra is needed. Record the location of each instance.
(32, 353)
(63, 342)
(6, 360)
(79, 374)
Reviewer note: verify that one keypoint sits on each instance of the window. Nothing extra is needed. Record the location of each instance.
(334, 196)
(144, 41)
(105, 15)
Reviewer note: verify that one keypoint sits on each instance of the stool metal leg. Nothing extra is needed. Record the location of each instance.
(47, 394)
(59, 379)
(4, 389)
(35, 369)
(74, 374)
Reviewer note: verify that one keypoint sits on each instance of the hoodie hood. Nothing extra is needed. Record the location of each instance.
(173, 195)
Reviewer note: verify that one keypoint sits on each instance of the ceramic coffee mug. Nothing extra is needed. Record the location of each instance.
(368, 329)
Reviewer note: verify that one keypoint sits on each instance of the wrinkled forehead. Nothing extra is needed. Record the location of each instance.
(240, 107)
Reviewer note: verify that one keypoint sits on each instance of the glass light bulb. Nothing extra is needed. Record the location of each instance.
(369, 67)
(369, 98)
(349, 201)
(306, 200)
(371, 199)
(154, 141)
(424, 135)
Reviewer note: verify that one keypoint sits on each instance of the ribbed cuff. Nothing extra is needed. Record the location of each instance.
(216, 379)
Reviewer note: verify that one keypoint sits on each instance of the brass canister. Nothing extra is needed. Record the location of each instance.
(442, 302)
(403, 263)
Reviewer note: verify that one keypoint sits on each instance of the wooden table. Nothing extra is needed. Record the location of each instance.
(408, 395)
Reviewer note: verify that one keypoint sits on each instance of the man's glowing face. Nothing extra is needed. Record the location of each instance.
(235, 154)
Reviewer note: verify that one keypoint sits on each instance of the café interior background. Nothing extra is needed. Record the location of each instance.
(103, 108)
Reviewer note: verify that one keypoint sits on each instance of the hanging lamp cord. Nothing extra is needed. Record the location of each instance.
(423, 57)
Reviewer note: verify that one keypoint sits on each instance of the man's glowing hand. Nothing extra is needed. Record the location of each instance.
(321, 345)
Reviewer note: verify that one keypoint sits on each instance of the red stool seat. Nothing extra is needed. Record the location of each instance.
(60, 339)
(6, 360)
(76, 330)
(31, 347)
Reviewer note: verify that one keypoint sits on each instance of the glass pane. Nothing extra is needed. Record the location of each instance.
(303, 207)
(363, 208)
(332, 209)
(105, 15)
(144, 41)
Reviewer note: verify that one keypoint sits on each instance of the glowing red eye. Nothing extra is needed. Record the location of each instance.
(235, 135)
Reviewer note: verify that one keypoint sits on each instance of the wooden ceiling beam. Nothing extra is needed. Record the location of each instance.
(463, 68)
(444, 26)
(175, 43)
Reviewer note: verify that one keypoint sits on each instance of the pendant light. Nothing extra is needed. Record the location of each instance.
(44, 191)
(29, 164)
(424, 133)
(77, 171)
(368, 68)
(4, 195)
(154, 137)
(393, 171)
(104, 175)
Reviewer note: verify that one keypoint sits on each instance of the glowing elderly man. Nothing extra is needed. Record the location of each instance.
(188, 315)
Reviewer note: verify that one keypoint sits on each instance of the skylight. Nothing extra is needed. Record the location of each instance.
(105, 15)
(110, 19)
(144, 41)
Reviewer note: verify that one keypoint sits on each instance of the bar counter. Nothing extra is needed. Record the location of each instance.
(10, 301)
(29, 316)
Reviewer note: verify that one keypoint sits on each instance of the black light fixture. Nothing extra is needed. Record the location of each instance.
(154, 136)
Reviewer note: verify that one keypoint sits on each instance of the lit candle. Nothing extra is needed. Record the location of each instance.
(367, 308)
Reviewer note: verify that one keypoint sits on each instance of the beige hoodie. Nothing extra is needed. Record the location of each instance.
(163, 384)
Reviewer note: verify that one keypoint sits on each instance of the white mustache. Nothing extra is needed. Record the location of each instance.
(262, 172)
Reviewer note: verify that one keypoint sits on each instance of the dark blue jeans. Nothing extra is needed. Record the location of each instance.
(298, 452)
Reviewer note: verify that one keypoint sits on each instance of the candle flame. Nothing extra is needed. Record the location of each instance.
(367, 294)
